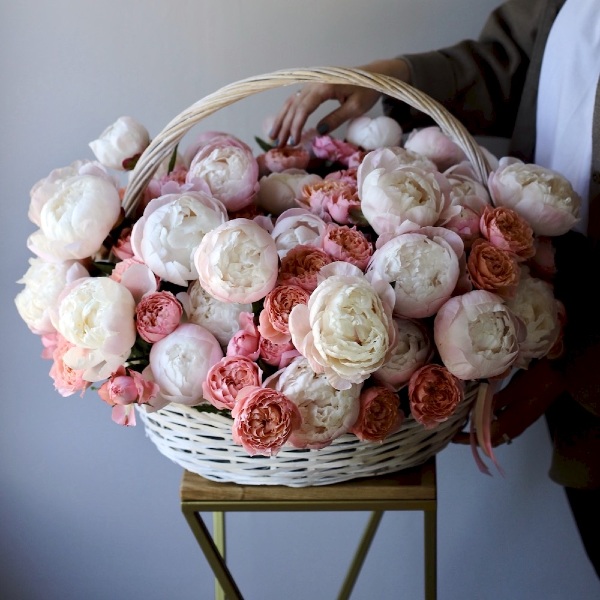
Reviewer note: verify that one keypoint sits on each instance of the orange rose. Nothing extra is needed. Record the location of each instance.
(380, 414)
(434, 394)
(493, 269)
(506, 229)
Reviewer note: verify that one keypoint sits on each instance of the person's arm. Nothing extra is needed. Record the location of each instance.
(479, 81)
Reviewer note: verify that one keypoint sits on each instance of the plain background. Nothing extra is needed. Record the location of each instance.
(89, 510)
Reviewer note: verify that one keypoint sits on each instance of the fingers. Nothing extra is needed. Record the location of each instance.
(354, 101)
(289, 123)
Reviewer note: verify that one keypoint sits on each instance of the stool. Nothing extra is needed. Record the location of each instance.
(412, 489)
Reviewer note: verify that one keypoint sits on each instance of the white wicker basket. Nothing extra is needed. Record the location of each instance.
(202, 442)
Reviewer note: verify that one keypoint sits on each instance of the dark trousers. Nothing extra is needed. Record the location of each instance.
(585, 505)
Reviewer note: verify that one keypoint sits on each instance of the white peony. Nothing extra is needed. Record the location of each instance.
(237, 262)
(170, 230)
(120, 144)
(346, 331)
(76, 219)
(96, 314)
(222, 319)
(534, 303)
(297, 227)
(544, 198)
(424, 270)
(390, 197)
(370, 133)
(180, 363)
(44, 282)
(279, 191)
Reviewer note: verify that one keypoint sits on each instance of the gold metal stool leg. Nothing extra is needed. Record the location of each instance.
(212, 554)
(361, 553)
(430, 529)
(219, 539)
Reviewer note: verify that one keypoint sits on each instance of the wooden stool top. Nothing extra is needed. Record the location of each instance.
(417, 484)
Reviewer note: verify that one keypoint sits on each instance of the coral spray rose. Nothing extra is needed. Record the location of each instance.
(263, 420)
(379, 416)
(434, 394)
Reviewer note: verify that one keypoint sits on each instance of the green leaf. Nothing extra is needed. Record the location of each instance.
(264, 146)
(173, 159)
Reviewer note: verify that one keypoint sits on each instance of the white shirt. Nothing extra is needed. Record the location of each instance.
(566, 94)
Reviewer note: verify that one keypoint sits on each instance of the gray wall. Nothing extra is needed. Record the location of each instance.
(89, 509)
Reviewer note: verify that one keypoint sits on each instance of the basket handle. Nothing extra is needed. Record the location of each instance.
(164, 143)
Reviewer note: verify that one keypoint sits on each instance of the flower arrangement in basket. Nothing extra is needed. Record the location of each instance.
(352, 299)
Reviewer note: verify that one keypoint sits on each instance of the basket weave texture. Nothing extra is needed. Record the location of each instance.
(201, 442)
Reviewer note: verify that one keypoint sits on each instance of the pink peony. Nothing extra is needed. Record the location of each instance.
(226, 378)
(380, 414)
(413, 350)
(171, 228)
(297, 227)
(424, 268)
(335, 199)
(136, 276)
(433, 143)
(246, 340)
(327, 413)
(465, 223)
(544, 198)
(263, 420)
(157, 314)
(402, 193)
(67, 381)
(434, 395)
(273, 318)
(180, 362)
(477, 335)
(229, 169)
(122, 247)
(124, 388)
(332, 149)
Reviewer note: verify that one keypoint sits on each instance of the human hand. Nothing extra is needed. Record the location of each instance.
(353, 100)
(521, 403)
